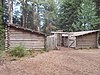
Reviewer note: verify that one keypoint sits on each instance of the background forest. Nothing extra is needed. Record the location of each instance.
(50, 15)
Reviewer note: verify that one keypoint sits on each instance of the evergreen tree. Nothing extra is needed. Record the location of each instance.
(5, 12)
(97, 12)
(68, 14)
(87, 19)
(47, 15)
(1, 30)
(97, 7)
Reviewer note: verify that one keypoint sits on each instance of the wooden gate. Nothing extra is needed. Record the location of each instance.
(71, 41)
(51, 42)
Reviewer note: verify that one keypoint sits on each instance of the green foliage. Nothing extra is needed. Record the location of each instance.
(49, 15)
(78, 15)
(97, 8)
(44, 49)
(0, 53)
(18, 51)
(1, 30)
(68, 14)
(87, 19)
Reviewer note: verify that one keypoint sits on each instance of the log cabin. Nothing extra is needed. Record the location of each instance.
(78, 40)
(30, 39)
(81, 40)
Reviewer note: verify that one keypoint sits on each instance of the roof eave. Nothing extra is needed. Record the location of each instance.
(27, 29)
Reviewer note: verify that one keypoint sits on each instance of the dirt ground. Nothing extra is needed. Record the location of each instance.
(61, 62)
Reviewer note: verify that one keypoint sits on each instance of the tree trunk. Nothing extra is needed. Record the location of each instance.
(23, 12)
(33, 16)
(10, 11)
(2, 2)
(98, 7)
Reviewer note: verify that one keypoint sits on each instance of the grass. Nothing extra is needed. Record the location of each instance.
(19, 52)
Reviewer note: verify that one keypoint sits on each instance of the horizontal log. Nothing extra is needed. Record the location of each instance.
(26, 40)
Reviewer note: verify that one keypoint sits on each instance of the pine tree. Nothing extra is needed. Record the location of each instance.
(97, 7)
(1, 30)
(68, 14)
(48, 15)
(87, 19)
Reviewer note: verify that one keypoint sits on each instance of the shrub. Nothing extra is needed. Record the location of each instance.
(0, 53)
(44, 49)
(18, 51)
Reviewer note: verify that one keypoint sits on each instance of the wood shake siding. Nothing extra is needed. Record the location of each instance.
(87, 41)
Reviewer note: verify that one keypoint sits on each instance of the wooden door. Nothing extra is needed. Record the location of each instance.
(72, 42)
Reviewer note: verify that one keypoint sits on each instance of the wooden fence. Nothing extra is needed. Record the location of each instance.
(51, 42)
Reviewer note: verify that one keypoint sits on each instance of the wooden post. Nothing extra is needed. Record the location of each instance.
(97, 39)
(68, 39)
(45, 40)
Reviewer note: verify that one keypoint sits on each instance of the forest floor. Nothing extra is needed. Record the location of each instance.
(61, 62)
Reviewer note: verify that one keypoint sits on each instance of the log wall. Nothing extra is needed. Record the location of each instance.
(87, 41)
(28, 39)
